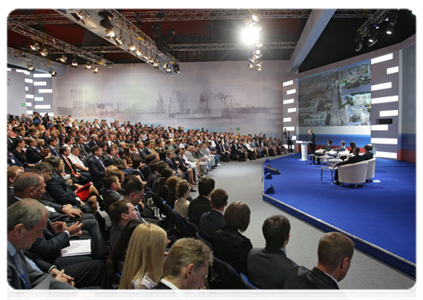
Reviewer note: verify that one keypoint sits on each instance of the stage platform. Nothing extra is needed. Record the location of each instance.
(380, 216)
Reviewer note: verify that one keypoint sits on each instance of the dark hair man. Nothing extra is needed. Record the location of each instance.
(334, 253)
(276, 232)
(201, 204)
(214, 220)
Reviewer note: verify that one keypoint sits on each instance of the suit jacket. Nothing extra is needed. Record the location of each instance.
(303, 278)
(53, 151)
(160, 292)
(367, 155)
(109, 197)
(37, 279)
(210, 222)
(232, 247)
(60, 190)
(33, 155)
(268, 268)
(197, 207)
(351, 160)
(48, 247)
(97, 171)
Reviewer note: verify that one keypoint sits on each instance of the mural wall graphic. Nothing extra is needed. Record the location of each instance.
(341, 97)
(222, 96)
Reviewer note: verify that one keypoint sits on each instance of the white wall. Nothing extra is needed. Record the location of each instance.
(16, 101)
(221, 96)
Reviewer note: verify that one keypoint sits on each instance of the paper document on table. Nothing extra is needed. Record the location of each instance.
(39, 292)
(77, 247)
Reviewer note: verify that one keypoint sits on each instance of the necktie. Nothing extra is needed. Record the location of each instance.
(70, 166)
(19, 266)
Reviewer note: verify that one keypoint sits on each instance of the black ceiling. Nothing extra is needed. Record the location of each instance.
(337, 42)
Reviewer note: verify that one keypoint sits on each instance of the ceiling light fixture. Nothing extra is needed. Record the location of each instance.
(62, 59)
(30, 67)
(53, 72)
(88, 66)
(44, 52)
(35, 47)
(81, 16)
(74, 63)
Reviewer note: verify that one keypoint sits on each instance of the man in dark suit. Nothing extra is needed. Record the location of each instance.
(32, 152)
(334, 252)
(96, 167)
(201, 204)
(214, 220)
(268, 267)
(311, 141)
(352, 160)
(368, 154)
(186, 265)
(111, 185)
(52, 146)
(26, 220)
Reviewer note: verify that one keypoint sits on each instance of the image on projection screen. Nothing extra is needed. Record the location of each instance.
(340, 97)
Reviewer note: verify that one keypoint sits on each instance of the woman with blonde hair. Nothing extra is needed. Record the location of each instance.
(144, 260)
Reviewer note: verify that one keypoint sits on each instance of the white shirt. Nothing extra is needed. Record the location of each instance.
(174, 288)
(75, 160)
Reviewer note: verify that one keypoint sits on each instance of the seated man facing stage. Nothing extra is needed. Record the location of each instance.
(352, 160)
(368, 154)
(334, 253)
(322, 152)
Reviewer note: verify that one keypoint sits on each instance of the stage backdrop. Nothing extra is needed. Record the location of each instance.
(221, 96)
(410, 125)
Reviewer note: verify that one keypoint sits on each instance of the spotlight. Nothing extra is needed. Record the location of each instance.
(82, 16)
(105, 23)
(74, 63)
(120, 40)
(259, 44)
(156, 64)
(88, 66)
(176, 68)
(392, 22)
(30, 67)
(372, 39)
(96, 70)
(250, 35)
(62, 59)
(138, 52)
(52, 72)
(44, 52)
(131, 46)
(35, 47)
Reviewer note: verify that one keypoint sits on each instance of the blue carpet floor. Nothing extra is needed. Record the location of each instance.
(380, 216)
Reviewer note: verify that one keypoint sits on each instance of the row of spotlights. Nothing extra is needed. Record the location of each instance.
(250, 35)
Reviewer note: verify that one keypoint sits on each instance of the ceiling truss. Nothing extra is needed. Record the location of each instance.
(189, 15)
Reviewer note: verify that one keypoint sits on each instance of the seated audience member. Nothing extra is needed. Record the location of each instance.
(117, 255)
(144, 260)
(334, 253)
(26, 220)
(201, 204)
(182, 203)
(276, 232)
(214, 220)
(368, 154)
(322, 151)
(12, 173)
(120, 213)
(96, 167)
(171, 183)
(52, 146)
(111, 187)
(19, 154)
(70, 169)
(78, 163)
(352, 160)
(60, 190)
(32, 151)
(186, 265)
(229, 244)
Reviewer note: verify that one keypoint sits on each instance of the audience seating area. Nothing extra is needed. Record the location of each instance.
(130, 152)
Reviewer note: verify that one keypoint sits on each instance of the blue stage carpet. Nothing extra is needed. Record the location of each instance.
(380, 217)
